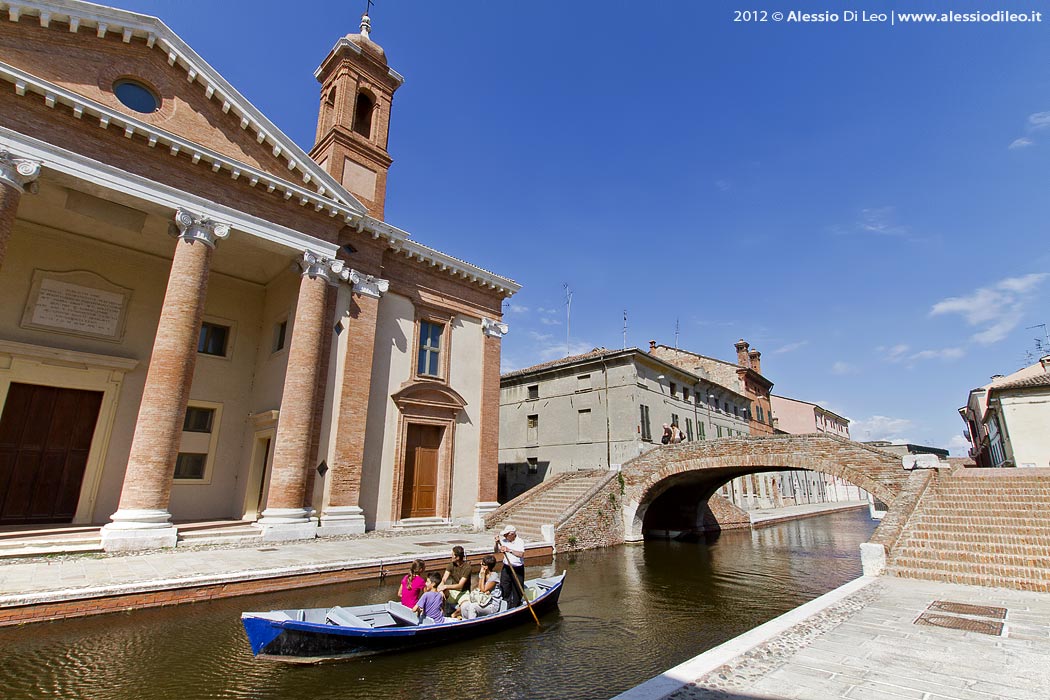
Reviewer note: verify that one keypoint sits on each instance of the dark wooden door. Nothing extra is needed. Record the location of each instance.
(45, 437)
(421, 469)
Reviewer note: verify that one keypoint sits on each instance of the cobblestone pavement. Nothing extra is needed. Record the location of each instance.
(870, 646)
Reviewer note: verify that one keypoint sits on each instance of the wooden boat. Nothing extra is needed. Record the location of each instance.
(314, 635)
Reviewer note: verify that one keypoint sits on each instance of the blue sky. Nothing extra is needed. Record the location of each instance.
(865, 204)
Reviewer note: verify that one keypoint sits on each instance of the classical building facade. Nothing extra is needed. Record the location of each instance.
(601, 408)
(1008, 419)
(202, 320)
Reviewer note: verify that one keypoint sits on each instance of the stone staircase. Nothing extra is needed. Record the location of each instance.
(547, 504)
(983, 527)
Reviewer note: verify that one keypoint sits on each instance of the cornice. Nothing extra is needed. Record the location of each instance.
(344, 43)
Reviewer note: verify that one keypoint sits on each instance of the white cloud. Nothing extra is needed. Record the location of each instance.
(999, 308)
(880, 221)
(517, 309)
(548, 321)
(1039, 120)
(959, 446)
(843, 368)
(943, 354)
(895, 353)
(791, 347)
(1023, 142)
(547, 347)
(723, 185)
(881, 428)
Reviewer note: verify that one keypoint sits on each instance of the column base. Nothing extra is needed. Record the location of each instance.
(342, 520)
(287, 524)
(135, 529)
(481, 509)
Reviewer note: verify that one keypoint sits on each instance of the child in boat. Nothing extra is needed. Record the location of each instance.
(432, 603)
(412, 584)
(483, 600)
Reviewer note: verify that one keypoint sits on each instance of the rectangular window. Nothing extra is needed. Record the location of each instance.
(689, 428)
(583, 382)
(190, 465)
(700, 430)
(719, 429)
(533, 427)
(429, 349)
(198, 419)
(583, 425)
(674, 419)
(280, 329)
(725, 407)
(736, 411)
(761, 418)
(534, 466)
(674, 390)
(646, 429)
(213, 339)
(685, 393)
(534, 392)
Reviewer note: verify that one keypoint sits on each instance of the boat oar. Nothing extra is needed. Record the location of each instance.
(524, 595)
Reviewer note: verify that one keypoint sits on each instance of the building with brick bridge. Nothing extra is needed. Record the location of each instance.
(204, 321)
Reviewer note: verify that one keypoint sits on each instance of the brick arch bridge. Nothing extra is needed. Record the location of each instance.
(713, 463)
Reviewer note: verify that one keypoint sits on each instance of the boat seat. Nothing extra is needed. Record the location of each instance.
(531, 593)
(402, 613)
(344, 618)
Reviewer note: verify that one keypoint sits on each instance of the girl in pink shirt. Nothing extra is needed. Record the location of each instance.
(412, 584)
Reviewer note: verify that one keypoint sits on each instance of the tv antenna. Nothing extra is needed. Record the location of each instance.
(568, 309)
(625, 329)
(1041, 344)
(676, 334)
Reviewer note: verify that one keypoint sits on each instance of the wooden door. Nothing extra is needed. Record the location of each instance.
(45, 437)
(421, 468)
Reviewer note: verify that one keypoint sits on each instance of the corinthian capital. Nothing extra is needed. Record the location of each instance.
(20, 173)
(368, 285)
(197, 227)
(493, 329)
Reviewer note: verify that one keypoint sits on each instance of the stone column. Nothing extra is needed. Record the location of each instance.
(286, 516)
(142, 520)
(17, 175)
(342, 513)
(488, 453)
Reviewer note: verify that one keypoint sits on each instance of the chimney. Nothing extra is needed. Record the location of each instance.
(741, 354)
(1045, 362)
(756, 360)
(652, 345)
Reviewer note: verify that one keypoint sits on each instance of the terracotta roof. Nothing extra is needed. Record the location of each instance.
(571, 359)
(1025, 383)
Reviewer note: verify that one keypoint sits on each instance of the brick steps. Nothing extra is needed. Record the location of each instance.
(985, 531)
(548, 507)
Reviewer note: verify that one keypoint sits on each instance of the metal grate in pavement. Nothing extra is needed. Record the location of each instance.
(459, 542)
(431, 544)
(946, 606)
(965, 624)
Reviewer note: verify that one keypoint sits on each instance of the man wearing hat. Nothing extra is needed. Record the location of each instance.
(513, 549)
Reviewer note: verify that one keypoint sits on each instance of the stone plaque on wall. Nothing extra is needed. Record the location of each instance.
(79, 303)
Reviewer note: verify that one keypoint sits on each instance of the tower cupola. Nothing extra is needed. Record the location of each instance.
(357, 91)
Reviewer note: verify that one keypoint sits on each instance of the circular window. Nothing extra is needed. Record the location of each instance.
(134, 95)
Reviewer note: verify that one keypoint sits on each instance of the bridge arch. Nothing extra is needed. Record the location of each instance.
(711, 464)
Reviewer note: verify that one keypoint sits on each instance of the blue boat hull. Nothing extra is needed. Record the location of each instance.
(314, 642)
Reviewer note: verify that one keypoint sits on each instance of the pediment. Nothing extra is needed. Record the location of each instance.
(426, 394)
(72, 53)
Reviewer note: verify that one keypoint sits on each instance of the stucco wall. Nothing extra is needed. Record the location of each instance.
(1027, 418)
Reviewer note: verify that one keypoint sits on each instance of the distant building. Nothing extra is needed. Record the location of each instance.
(745, 376)
(1008, 419)
(907, 448)
(602, 408)
(801, 417)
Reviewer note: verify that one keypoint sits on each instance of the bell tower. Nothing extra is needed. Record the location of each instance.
(357, 90)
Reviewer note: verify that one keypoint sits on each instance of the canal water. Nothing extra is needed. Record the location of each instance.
(626, 614)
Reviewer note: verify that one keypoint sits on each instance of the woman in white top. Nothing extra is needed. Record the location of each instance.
(483, 600)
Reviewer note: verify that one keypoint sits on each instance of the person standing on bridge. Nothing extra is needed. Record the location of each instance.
(513, 549)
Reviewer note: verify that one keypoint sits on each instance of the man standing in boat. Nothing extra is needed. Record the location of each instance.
(513, 549)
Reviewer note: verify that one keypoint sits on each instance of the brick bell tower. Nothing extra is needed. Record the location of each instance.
(357, 90)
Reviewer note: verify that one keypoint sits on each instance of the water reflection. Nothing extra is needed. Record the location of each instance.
(627, 613)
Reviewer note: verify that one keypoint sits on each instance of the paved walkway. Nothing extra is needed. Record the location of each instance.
(764, 517)
(865, 641)
(46, 579)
